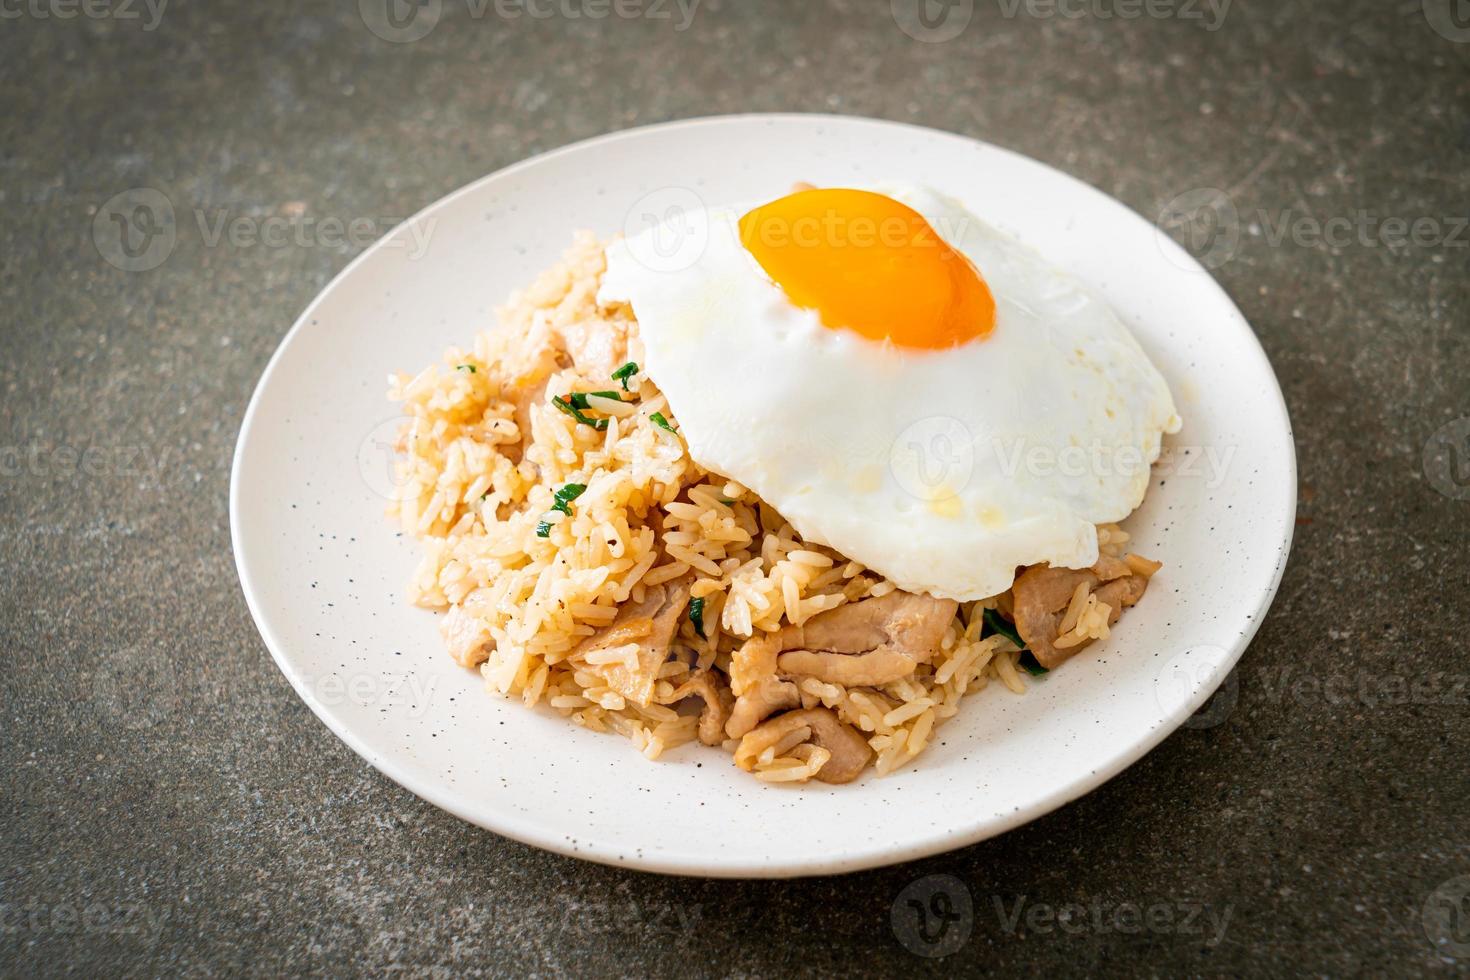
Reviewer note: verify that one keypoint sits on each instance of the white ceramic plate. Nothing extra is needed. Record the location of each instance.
(324, 571)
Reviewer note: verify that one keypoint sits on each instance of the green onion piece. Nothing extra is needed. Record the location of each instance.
(568, 408)
(622, 374)
(563, 499)
(696, 616)
(578, 399)
(566, 495)
(657, 418)
(466, 367)
(996, 623)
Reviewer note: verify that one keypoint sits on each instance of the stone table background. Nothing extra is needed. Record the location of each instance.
(169, 804)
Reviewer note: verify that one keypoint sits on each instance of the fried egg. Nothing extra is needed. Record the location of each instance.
(903, 382)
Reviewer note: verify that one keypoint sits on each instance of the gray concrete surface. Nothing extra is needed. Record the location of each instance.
(169, 806)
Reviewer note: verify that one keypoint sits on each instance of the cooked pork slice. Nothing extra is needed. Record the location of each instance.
(717, 704)
(651, 624)
(760, 700)
(753, 678)
(466, 637)
(597, 347)
(882, 666)
(870, 642)
(850, 751)
(1042, 595)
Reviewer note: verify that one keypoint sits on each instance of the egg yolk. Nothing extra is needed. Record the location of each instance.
(867, 263)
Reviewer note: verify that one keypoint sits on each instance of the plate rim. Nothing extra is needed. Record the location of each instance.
(526, 831)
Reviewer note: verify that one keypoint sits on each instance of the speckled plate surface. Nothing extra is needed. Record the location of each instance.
(323, 570)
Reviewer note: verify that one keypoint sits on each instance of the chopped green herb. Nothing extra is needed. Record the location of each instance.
(566, 495)
(568, 408)
(563, 498)
(578, 399)
(657, 418)
(466, 367)
(622, 374)
(696, 616)
(996, 623)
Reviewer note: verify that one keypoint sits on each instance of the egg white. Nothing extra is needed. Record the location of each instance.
(942, 470)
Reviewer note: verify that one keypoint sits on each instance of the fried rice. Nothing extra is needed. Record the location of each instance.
(526, 575)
